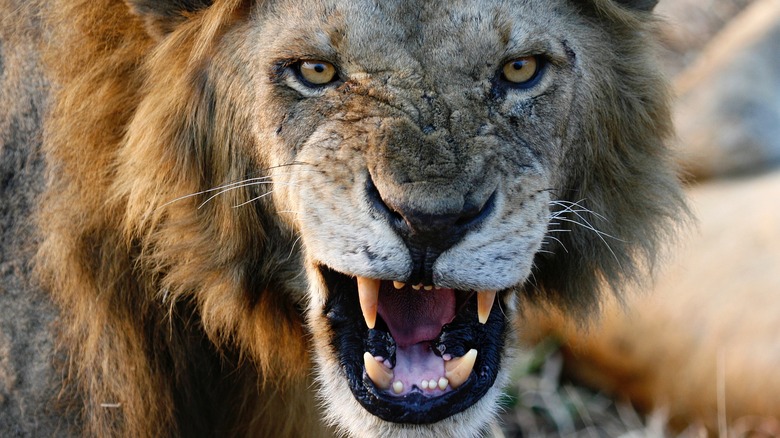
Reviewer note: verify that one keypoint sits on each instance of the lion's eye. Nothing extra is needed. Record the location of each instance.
(317, 72)
(521, 71)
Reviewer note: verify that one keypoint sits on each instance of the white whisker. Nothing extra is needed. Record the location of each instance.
(568, 206)
(238, 184)
(591, 228)
(248, 184)
(559, 242)
(578, 209)
(253, 199)
(601, 235)
(225, 186)
(292, 247)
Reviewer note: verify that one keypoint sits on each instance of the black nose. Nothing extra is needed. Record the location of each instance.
(428, 234)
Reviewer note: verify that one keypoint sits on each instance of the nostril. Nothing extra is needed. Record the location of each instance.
(395, 218)
(473, 214)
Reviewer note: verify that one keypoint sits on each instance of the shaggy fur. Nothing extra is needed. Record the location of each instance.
(189, 306)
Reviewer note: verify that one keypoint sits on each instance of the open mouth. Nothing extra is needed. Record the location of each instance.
(414, 354)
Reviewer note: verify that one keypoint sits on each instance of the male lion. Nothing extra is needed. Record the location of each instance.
(243, 195)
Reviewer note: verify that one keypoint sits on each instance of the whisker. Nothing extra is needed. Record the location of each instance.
(215, 189)
(580, 207)
(559, 242)
(245, 181)
(577, 213)
(247, 184)
(253, 199)
(600, 234)
(591, 228)
(256, 183)
(292, 247)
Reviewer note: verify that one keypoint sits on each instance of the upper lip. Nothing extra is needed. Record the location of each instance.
(466, 342)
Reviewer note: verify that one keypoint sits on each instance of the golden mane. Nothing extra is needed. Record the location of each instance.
(111, 228)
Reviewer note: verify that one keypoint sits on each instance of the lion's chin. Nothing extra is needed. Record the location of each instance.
(414, 355)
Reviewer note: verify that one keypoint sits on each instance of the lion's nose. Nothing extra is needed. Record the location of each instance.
(427, 234)
(433, 230)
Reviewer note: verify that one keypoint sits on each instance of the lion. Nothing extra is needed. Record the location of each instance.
(701, 350)
(301, 218)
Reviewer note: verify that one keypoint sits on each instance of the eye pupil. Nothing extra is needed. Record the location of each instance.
(315, 72)
(521, 71)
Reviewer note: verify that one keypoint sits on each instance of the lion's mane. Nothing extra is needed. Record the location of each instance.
(157, 301)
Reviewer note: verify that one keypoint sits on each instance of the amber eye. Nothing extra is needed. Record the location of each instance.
(521, 71)
(317, 72)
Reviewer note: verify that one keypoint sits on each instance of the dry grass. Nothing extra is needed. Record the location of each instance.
(541, 402)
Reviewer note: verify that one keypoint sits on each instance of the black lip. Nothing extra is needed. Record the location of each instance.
(350, 333)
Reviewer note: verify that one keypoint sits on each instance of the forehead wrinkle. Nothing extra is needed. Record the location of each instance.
(449, 45)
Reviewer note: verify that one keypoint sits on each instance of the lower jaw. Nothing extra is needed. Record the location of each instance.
(343, 314)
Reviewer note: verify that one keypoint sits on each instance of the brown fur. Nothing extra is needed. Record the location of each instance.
(178, 319)
(115, 306)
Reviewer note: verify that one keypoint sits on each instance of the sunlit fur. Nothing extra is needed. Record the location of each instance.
(183, 314)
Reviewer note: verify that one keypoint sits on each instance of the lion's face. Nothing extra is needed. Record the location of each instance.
(416, 149)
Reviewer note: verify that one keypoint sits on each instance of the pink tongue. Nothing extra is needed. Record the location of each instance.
(415, 316)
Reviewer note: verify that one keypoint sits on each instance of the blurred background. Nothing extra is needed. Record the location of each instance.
(695, 352)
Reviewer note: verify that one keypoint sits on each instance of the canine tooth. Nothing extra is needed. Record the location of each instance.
(398, 387)
(417, 286)
(485, 301)
(443, 382)
(378, 373)
(424, 384)
(458, 370)
(368, 292)
(398, 285)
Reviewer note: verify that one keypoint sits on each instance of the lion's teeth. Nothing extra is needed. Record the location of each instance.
(485, 301)
(398, 387)
(417, 286)
(458, 370)
(398, 285)
(378, 373)
(429, 287)
(443, 382)
(368, 291)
